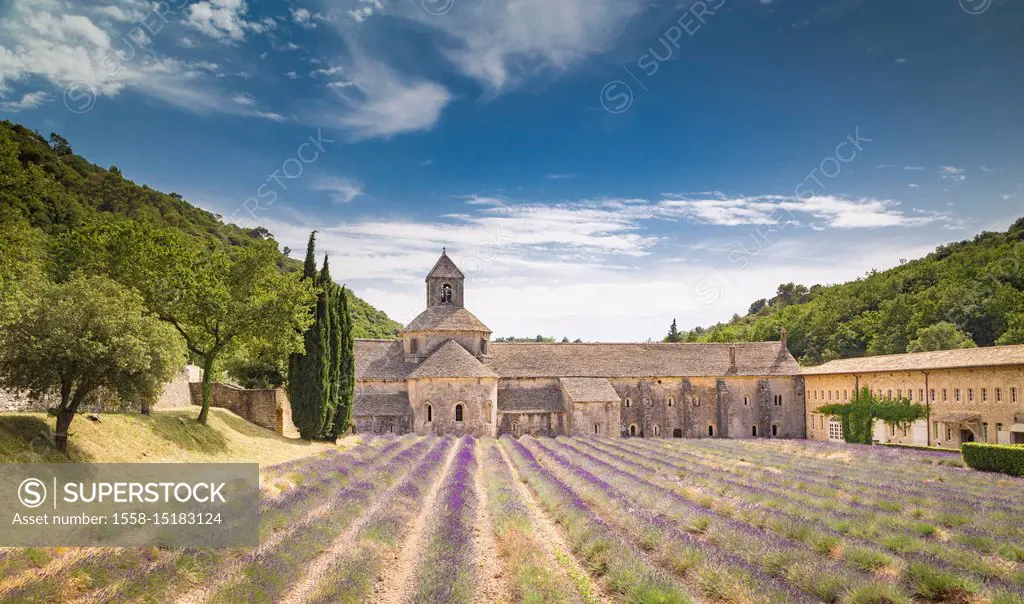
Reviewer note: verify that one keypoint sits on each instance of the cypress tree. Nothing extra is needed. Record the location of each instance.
(307, 373)
(347, 371)
(331, 359)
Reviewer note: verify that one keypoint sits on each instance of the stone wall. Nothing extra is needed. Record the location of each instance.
(993, 393)
(17, 401)
(176, 393)
(534, 423)
(477, 396)
(267, 408)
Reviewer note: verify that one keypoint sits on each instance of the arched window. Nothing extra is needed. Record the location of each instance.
(753, 430)
(446, 294)
(629, 402)
(671, 401)
(458, 412)
(430, 413)
(597, 429)
(711, 430)
(632, 429)
(746, 399)
(656, 430)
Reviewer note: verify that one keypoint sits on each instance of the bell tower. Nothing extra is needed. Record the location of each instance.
(445, 283)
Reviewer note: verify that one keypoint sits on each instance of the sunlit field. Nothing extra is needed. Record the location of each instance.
(585, 520)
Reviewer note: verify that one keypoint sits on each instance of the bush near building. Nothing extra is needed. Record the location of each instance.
(1008, 459)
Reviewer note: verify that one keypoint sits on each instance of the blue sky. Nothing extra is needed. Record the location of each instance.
(597, 167)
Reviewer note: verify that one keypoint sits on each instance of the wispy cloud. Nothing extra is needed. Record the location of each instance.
(913, 168)
(30, 100)
(953, 173)
(342, 190)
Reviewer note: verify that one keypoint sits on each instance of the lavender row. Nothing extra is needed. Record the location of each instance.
(350, 579)
(599, 546)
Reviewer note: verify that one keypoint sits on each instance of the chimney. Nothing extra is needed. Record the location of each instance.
(784, 338)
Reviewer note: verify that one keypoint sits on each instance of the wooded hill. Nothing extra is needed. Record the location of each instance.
(46, 184)
(972, 288)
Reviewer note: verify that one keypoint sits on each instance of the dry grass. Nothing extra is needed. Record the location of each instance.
(164, 436)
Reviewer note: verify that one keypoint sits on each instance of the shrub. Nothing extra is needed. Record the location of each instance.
(1008, 459)
(938, 585)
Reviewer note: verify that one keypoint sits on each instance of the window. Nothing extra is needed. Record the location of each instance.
(846, 395)
(815, 397)
(984, 432)
(746, 399)
(822, 422)
(956, 394)
(483, 346)
(835, 429)
(949, 435)
(932, 394)
(837, 395)
(888, 393)
(696, 401)
(920, 394)
(999, 428)
(904, 431)
(656, 430)
(629, 402)
(775, 429)
(430, 413)
(899, 394)
(935, 429)
(984, 395)
(412, 346)
(999, 395)
(892, 430)
(778, 399)
(515, 428)
(458, 413)
(597, 428)
(711, 430)
(910, 394)
(1013, 394)
(446, 294)
(753, 430)
(671, 401)
(945, 394)
(970, 395)
(829, 395)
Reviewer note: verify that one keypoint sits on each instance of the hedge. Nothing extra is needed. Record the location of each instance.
(1008, 459)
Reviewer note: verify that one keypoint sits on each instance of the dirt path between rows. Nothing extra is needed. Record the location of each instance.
(319, 567)
(397, 581)
(490, 580)
(552, 537)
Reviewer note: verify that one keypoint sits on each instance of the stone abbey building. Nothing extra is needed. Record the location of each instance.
(445, 376)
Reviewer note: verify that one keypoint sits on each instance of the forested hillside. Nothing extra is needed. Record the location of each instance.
(46, 184)
(962, 294)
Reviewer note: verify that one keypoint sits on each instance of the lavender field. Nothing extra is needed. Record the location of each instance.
(416, 519)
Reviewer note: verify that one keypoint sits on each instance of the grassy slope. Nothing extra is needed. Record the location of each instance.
(164, 436)
(56, 192)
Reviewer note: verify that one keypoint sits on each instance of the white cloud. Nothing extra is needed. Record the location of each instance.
(953, 173)
(985, 168)
(366, 10)
(913, 168)
(381, 102)
(913, 186)
(327, 71)
(224, 19)
(304, 18)
(342, 190)
(30, 100)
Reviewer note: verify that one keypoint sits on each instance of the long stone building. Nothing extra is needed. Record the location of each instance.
(445, 376)
(972, 394)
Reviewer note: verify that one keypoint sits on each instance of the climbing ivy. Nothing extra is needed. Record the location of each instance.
(858, 416)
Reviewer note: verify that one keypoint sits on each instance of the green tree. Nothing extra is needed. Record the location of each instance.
(347, 367)
(673, 333)
(940, 336)
(308, 370)
(87, 333)
(217, 303)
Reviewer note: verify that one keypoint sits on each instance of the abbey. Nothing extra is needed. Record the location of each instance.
(445, 376)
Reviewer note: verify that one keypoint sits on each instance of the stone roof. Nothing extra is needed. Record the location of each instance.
(451, 360)
(917, 361)
(589, 390)
(444, 268)
(446, 317)
(530, 399)
(513, 360)
(369, 404)
(381, 360)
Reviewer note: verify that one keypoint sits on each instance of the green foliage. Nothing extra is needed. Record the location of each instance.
(940, 336)
(45, 185)
(308, 371)
(1007, 459)
(81, 335)
(976, 285)
(673, 333)
(859, 415)
(346, 368)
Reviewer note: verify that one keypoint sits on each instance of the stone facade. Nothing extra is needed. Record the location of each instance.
(444, 376)
(267, 408)
(970, 394)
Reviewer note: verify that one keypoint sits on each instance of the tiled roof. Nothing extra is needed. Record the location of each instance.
(381, 360)
(451, 360)
(446, 317)
(513, 360)
(589, 390)
(530, 399)
(367, 404)
(916, 361)
(444, 268)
